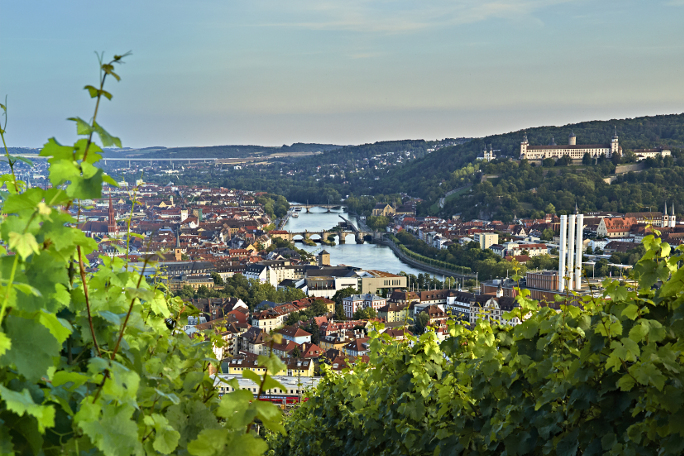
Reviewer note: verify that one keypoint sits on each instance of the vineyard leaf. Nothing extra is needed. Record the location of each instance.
(115, 434)
(22, 402)
(23, 243)
(210, 442)
(33, 347)
(5, 343)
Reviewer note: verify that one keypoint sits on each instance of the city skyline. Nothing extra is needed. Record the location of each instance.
(363, 71)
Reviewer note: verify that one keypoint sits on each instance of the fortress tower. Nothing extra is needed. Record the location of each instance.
(614, 146)
(572, 140)
(523, 145)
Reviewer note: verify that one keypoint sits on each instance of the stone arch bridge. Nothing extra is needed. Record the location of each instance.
(359, 236)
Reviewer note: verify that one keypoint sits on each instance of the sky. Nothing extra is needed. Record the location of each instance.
(274, 72)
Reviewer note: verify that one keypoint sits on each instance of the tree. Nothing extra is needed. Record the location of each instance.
(547, 234)
(550, 209)
(565, 160)
(420, 324)
(366, 313)
(315, 332)
(586, 159)
(344, 293)
(218, 280)
(187, 293)
(292, 319)
(318, 308)
(377, 223)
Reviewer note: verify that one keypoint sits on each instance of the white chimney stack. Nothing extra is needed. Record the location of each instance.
(579, 251)
(561, 252)
(570, 252)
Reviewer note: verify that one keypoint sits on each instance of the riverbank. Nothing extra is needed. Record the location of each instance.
(420, 264)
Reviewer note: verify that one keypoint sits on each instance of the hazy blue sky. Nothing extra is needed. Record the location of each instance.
(208, 72)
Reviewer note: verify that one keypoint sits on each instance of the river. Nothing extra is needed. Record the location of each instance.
(364, 256)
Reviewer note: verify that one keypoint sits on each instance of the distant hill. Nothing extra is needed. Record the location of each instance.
(432, 175)
(161, 152)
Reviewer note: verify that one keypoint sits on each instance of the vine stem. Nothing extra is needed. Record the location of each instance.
(9, 160)
(130, 309)
(97, 107)
(81, 268)
(121, 333)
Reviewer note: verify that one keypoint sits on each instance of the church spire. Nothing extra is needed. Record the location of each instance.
(665, 212)
(111, 218)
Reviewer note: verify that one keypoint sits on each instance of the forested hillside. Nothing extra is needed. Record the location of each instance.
(216, 151)
(431, 176)
(530, 191)
(429, 169)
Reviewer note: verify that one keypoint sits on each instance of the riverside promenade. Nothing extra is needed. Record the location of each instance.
(419, 264)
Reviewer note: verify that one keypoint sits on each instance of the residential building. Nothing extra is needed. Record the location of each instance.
(357, 347)
(615, 227)
(295, 334)
(486, 239)
(360, 301)
(394, 312)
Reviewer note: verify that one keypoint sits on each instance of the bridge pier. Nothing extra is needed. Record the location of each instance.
(342, 238)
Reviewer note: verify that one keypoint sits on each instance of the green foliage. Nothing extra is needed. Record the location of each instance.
(316, 309)
(365, 313)
(377, 223)
(338, 297)
(95, 362)
(604, 378)
(274, 205)
(547, 234)
(421, 323)
(251, 291)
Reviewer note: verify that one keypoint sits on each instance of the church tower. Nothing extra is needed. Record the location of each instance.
(111, 219)
(666, 219)
(614, 146)
(178, 252)
(523, 146)
(673, 219)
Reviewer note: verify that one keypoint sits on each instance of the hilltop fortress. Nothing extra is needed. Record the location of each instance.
(571, 149)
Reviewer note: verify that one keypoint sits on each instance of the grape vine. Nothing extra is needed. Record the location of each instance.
(91, 361)
(605, 378)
